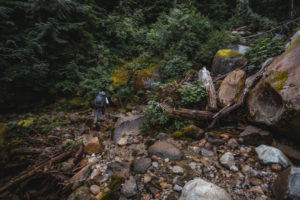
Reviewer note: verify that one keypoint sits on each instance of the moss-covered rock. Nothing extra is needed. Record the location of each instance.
(275, 100)
(193, 131)
(277, 79)
(143, 79)
(227, 60)
(178, 134)
(120, 76)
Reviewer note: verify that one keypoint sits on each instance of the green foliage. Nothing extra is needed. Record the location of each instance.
(262, 49)
(60, 47)
(192, 94)
(93, 81)
(156, 118)
(244, 15)
(175, 67)
(71, 144)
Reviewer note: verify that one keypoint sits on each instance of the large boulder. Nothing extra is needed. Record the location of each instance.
(127, 125)
(198, 189)
(165, 150)
(275, 100)
(227, 60)
(231, 87)
(287, 184)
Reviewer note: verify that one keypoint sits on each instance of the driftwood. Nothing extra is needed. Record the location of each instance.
(193, 114)
(206, 79)
(250, 82)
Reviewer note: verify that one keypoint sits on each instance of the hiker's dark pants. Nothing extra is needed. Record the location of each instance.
(102, 109)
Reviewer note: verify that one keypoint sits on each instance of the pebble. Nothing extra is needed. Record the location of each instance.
(155, 164)
(95, 189)
(177, 170)
(147, 178)
(193, 165)
(177, 188)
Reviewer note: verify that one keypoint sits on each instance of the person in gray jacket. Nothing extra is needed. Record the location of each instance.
(100, 105)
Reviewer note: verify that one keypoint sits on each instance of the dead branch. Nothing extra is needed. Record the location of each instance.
(35, 169)
(250, 82)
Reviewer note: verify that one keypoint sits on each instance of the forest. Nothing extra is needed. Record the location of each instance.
(198, 93)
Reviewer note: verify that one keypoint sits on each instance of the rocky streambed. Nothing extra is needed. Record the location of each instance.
(239, 163)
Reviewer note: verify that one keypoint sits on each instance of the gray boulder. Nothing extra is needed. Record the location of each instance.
(127, 125)
(198, 189)
(287, 184)
(165, 150)
(269, 155)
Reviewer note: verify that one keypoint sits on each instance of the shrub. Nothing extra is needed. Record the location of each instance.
(262, 49)
(157, 119)
(191, 94)
(175, 67)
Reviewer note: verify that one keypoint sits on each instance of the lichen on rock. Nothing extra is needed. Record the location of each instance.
(277, 79)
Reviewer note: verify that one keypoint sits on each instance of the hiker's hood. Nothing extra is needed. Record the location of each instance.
(102, 93)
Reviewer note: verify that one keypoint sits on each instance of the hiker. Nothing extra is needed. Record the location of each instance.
(100, 105)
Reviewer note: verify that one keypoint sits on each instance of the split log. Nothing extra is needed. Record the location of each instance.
(206, 79)
(193, 114)
(250, 82)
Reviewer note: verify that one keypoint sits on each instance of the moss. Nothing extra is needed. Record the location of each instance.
(276, 80)
(293, 44)
(190, 130)
(178, 134)
(120, 76)
(118, 180)
(76, 102)
(2, 130)
(141, 78)
(226, 53)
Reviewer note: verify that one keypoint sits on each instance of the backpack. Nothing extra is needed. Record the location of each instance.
(100, 100)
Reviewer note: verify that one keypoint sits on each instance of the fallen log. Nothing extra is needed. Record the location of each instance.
(250, 82)
(193, 114)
